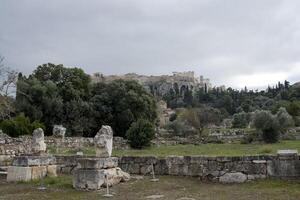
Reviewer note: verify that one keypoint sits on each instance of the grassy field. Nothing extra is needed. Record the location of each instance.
(172, 188)
(233, 149)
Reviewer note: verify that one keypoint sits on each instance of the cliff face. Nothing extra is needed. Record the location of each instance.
(180, 82)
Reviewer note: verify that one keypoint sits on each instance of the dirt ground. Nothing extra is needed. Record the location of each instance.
(167, 188)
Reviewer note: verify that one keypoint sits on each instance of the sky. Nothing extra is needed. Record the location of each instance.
(251, 43)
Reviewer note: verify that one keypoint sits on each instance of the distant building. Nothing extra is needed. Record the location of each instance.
(179, 82)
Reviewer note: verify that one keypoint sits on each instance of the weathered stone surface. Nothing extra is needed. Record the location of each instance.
(287, 152)
(52, 170)
(38, 172)
(59, 131)
(18, 174)
(104, 142)
(5, 160)
(155, 196)
(38, 144)
(32, 160)
(88, 179)
(97, 163)
(93, 179)
(284, 168)
(237, 177)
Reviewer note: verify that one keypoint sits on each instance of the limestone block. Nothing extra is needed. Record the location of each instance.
(88, 179)
(287, 154)
(237, 177)
(104, 142)
(5, 160)
(115, 176)
(59, 131)
(18, 174)
(52, 171)
(38, 172)
(38, 144)
(97, 163)
(31, 160)
(284, 168)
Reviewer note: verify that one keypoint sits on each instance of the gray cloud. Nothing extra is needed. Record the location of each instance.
(230, 41)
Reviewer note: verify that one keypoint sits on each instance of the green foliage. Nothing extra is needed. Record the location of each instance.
(120, 103)
(54, 94)
(268, 124)
(140, 133)
(241, 120)
(20, 125)
(272, 125)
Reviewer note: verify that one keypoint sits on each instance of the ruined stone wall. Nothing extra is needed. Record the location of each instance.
(22, 145)
(223, 169)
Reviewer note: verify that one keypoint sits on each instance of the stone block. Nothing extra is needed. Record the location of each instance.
(52, 171)
(88, 179)
(31, 160)
(237, 177)
(287, 154)
(18, 174)
(284, 168)
(97, 163)
(38, 172)
(5, 160)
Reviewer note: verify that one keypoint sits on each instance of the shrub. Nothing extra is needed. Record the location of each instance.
(272, 125)
(20, 125)
(140, 133)
(267, 124)
(176, 127)
(284, 118)
(241, 120)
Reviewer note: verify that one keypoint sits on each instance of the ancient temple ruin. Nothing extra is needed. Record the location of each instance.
(92, 173)
(179, 82)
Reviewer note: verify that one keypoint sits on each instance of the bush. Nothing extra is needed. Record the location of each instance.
(140, 133)
(272, 125)
(20, 125)
(267, 124)
(241, 120)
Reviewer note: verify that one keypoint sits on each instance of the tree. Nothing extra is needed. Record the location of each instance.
(123, 102)
(268, 124)
(241, 120)
(272, 125)
(8, 78)
(284, 118)
(199, 118)
(54, 94)
(140, 133)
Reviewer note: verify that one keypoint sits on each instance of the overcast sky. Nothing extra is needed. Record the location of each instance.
(233, 42)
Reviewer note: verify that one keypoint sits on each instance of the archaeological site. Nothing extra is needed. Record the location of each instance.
(149, 100)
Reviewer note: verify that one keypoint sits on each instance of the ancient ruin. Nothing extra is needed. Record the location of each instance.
(160, 85)
(38, 144)
(33, 166)
(92, 173)
(104, 142)
(59, 131)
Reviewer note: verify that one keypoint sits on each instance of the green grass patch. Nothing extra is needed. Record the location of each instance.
(211, 149)
(233, 149)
